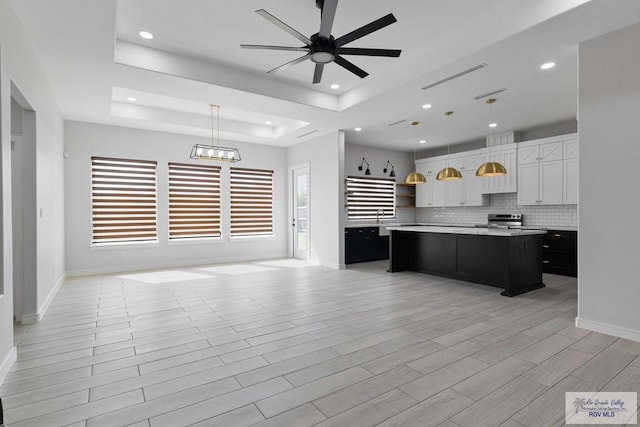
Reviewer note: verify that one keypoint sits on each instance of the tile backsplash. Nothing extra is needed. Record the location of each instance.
(544, 216)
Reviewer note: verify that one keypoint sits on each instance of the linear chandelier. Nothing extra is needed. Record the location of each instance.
(215, 151)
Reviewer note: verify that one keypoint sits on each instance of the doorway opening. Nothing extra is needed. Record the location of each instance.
(24, 208)
(300, 217)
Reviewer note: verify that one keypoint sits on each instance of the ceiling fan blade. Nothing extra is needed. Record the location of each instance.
(350, 66)
(369, 52)
(269, 17)
(289, 64)
(265, 47)
(317, 74)
(328, 14)
(366, 29)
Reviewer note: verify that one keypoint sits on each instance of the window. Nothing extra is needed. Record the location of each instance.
(194, 201)
(251, 202)
(366, 196)
(123, 200)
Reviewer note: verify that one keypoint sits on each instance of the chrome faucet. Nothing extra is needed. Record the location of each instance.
(377, 217)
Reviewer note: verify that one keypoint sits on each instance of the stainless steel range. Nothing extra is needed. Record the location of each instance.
(504, 220)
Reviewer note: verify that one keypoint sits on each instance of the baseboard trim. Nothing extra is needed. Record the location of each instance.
(47, 302)
(6, 364)
(608, 329)
(165, 265)
(28, 319)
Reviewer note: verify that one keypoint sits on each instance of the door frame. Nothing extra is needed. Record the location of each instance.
(290, 214)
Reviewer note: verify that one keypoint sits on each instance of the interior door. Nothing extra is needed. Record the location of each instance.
(300, 212)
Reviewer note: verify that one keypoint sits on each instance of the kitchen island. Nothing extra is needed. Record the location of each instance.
(505, 258)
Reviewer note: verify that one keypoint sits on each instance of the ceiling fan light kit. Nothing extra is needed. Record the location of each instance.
(322, 48)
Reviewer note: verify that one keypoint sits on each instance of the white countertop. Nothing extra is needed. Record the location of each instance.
(390, 225)
(469, 230)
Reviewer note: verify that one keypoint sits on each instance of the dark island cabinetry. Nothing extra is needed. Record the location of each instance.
(511, 262)
(560, 252)
(362, 244)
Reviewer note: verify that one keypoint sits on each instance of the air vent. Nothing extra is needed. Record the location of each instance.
(484, 95)
(455, 76)
(397, 123)
(307, 134)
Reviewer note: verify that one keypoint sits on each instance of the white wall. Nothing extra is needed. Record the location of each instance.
(325, 156)
(609, 238)
(377, 158)
(20, 66)
(83, 140)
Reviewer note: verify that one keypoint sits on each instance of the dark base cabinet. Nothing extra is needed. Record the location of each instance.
(513, 263)
(363, 244)
(560, 253)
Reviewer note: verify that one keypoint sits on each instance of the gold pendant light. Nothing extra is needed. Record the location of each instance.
(415, 177)
(448, 173)
(491, 168)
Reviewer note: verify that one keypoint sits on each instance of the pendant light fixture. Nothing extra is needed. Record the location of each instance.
(215, 151)
(448, 173)
(491, 168)
(415, 177)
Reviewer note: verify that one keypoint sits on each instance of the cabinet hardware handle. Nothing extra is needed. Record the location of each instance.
(557, 235)
(545, 262)
(545, 246)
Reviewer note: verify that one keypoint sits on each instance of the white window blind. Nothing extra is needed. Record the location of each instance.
(366, 196)
(194, 201)
(251, 202)
(123, 200)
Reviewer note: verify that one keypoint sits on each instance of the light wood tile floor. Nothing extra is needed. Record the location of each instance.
(286, 344)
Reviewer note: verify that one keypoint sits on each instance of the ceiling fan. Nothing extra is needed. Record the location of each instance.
(322, 48)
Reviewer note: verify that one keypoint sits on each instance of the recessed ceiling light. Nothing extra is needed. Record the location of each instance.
(268, 122)
(426, 106)
(335, 86)
(492, 125)
(145, 35)
(132, 99)
(423, 141)
(357, 129)
(548, 65)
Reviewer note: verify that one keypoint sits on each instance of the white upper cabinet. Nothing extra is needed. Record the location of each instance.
(542, 172)
(507, 156)
(468, 190)
(546, 176)
(551, 151)
(431, 194)
(570, 172)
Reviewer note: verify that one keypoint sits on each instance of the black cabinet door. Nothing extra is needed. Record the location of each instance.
(560, 252)
(362, 244)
